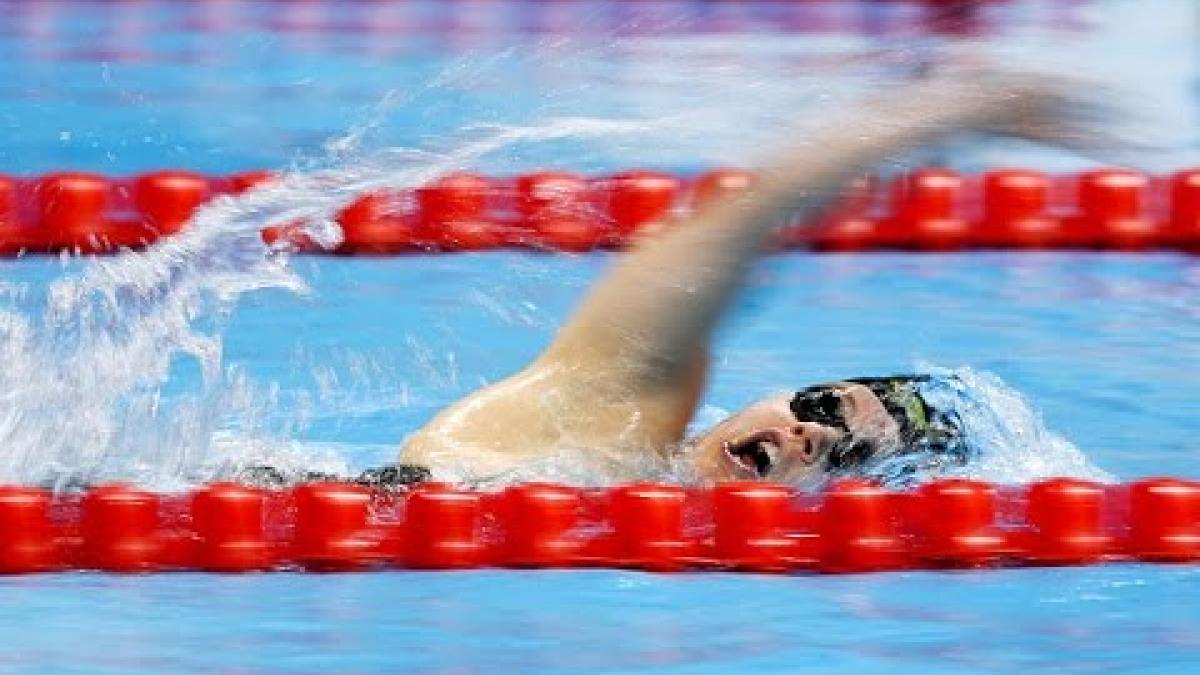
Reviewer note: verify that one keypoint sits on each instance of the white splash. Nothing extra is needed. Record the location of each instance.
(1010, 442)
(84, 388)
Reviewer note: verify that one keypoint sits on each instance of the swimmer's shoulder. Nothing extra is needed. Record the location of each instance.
(558, 403)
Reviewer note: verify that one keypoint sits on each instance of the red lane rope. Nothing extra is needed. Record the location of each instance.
(854, 526)
(926, 209)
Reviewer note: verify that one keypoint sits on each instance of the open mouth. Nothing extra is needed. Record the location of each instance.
(755, 453)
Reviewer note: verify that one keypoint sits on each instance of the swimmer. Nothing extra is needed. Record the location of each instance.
(623, 376)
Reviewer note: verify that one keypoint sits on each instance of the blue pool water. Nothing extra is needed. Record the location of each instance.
(1106, 347)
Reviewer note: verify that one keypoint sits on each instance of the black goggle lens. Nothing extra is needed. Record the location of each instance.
(821, 407)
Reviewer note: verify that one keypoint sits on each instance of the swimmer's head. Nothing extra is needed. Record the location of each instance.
(824, 430)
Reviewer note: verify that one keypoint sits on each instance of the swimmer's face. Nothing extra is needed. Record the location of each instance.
(836, 428)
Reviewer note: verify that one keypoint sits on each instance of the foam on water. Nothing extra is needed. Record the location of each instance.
(1010, 441)
(1006, 439)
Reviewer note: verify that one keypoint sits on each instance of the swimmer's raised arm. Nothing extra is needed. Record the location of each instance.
(627, 369)
(647, 321)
